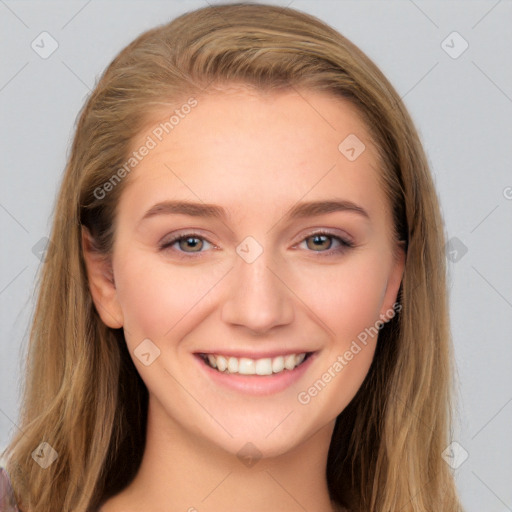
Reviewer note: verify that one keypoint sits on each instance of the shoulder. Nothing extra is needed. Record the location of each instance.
(7, 501)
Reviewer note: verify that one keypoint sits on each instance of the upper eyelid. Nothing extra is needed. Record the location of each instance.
(329, 232)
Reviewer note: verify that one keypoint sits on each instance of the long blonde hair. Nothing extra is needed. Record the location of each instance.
(82, 394)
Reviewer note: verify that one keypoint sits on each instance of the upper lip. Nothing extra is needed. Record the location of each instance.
(253, 354)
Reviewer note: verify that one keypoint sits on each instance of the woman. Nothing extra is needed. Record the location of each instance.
(243, 305)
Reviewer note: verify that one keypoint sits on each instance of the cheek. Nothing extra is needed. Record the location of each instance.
(346, 297)
(156, 296)
(348, 300)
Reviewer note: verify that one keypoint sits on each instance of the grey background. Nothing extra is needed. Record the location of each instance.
(462, 107)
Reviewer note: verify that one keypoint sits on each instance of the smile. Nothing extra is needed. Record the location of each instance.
(247, 366)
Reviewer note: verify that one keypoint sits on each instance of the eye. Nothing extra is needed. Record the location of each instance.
(322, 242)
(192, 241)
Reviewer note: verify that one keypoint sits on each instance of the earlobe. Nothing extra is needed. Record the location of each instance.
(101, 283)
(393, 284)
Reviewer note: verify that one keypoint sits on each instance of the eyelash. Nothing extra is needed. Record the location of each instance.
(344, 244)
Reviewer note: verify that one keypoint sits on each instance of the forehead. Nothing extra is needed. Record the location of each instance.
(242, 146)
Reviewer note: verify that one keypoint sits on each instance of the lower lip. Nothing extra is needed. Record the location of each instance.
(257, 384)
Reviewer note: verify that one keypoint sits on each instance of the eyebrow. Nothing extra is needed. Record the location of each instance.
(300, 210)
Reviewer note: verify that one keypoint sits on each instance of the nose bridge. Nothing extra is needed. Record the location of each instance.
(257, 298)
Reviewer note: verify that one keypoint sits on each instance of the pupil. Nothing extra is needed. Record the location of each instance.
(192, 242)
(319, 239)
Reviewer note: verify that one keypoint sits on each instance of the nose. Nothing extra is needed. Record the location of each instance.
(257, 296)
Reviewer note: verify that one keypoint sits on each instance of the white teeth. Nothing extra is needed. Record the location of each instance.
(222, 364)
(233, 365)
(247, 366)
(278, 364)
(289, 362)
(264, 366)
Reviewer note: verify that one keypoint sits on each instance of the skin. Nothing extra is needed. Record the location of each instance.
(256, 155)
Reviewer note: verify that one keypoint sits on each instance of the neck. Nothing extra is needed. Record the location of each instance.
(183, 472)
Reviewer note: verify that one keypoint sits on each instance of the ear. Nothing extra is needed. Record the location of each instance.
(101, 282)
(394, 281)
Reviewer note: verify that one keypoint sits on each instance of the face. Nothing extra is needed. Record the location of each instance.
(249, 239)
